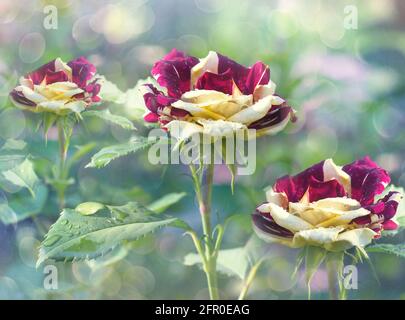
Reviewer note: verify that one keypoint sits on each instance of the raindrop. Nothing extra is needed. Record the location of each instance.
(50, 241)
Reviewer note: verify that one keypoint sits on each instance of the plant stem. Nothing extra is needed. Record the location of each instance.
(333, 283)
(249, 280)
(209, 255)
(63, 147)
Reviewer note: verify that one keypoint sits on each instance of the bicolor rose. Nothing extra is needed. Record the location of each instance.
(328, 206)
(215, 96)
(58, 87)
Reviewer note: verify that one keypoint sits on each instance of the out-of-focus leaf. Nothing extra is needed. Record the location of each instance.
(236, 261)
(395, 249)
(110, 92)
(107, 154)
(166, 201)
(23, 175)
(76, 236)
(12, 144)
(106, 115)
(22, 205)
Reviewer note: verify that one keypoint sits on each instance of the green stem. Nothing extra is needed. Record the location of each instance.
(333, 283)
(62, 174)
(249, 280)
(209, 254)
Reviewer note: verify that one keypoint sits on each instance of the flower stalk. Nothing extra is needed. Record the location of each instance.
(62, 176)
(209, 254)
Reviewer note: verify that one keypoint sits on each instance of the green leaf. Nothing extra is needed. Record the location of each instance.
(108, 154)
(236, 261)
(113, 118)
(395, 249)
(22, 205)
(166, 201)
(76, 236)
(23, 175)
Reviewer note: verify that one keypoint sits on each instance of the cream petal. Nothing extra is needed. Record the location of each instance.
(262, 91)
(31, 94)
(352, 238)
(51, 105)
(26, 83)
(274, 129)
(182, 130)
(285, 219)
(209, 63)
(318, 236)
(75, 106)
(269, 238)
(220, 128)
(254, 112)
(332, 171)
(278, 198)
(62, 66)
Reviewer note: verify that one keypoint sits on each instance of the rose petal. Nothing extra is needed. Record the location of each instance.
(259, 74)
(174, 72)
(283, 218)
(367, 180)
(352, 238)
(317, 237)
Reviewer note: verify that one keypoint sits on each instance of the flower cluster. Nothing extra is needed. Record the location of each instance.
(328, 206)
(58, 87)
(215, 96)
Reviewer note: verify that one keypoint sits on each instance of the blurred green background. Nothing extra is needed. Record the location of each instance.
(347, 85)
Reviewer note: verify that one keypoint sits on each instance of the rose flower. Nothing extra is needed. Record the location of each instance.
(215, 96)
(58, 87)
(328, 206)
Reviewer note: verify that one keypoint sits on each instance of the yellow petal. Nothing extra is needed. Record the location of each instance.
(343, 217)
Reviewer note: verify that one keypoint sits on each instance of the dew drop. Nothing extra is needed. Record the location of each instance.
(50, 241)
